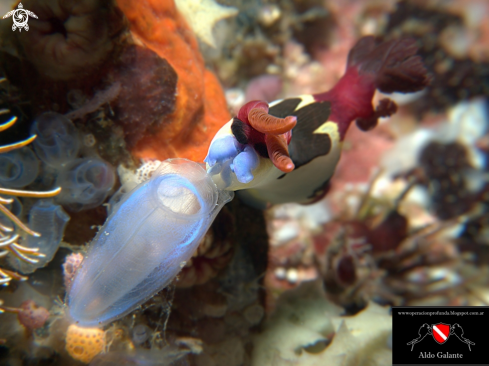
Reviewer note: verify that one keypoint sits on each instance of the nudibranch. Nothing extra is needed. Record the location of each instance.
(287, 151)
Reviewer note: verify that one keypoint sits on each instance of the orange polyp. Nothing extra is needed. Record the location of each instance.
(200, 107)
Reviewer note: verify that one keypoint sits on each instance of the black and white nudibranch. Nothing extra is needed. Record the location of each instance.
(287, 151)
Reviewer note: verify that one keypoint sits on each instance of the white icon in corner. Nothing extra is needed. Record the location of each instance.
(21, 17)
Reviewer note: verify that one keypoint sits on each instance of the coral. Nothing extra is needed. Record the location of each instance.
(83, 344)
(202, 15)
(70, 265)
(8, 236)
(200, 105)
(70, 39)
(31, 315)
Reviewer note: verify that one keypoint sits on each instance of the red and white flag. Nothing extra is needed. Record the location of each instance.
(440, 332)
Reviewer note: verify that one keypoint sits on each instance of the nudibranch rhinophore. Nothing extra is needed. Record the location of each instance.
(287, 151)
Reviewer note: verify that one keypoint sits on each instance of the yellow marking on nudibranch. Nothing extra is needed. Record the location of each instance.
(330, 128)
(305, 100)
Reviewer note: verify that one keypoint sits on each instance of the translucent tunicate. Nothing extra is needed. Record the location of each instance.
(57, 140)
(16, 209)
(85, 183)
(151, 231)
(50, 221)
(18, 168)
(140, 334)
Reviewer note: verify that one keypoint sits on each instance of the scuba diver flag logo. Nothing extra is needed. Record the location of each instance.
(20, 17)
(441, 332)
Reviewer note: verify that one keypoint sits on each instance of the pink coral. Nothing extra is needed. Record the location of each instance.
(31, 315)
(71, 264)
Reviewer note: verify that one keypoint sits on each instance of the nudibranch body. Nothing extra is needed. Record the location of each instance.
(288, 151)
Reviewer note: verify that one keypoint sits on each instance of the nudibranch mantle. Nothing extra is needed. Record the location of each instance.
(315, 149)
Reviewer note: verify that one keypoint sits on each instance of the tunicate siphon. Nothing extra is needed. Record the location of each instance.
(57, 140)
(140, 249)
(140, 334)
(85, 183)
(18, 168)
(49, 220)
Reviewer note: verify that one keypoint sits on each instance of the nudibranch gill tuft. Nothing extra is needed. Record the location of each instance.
(287, 151)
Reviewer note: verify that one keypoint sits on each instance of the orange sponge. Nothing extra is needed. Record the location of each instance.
(83, 344)
(200, 106)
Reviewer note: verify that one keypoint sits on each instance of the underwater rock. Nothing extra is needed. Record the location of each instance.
(202, 15)
(306, 329)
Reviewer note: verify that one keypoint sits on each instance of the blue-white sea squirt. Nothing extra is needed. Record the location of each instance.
(147, 239)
